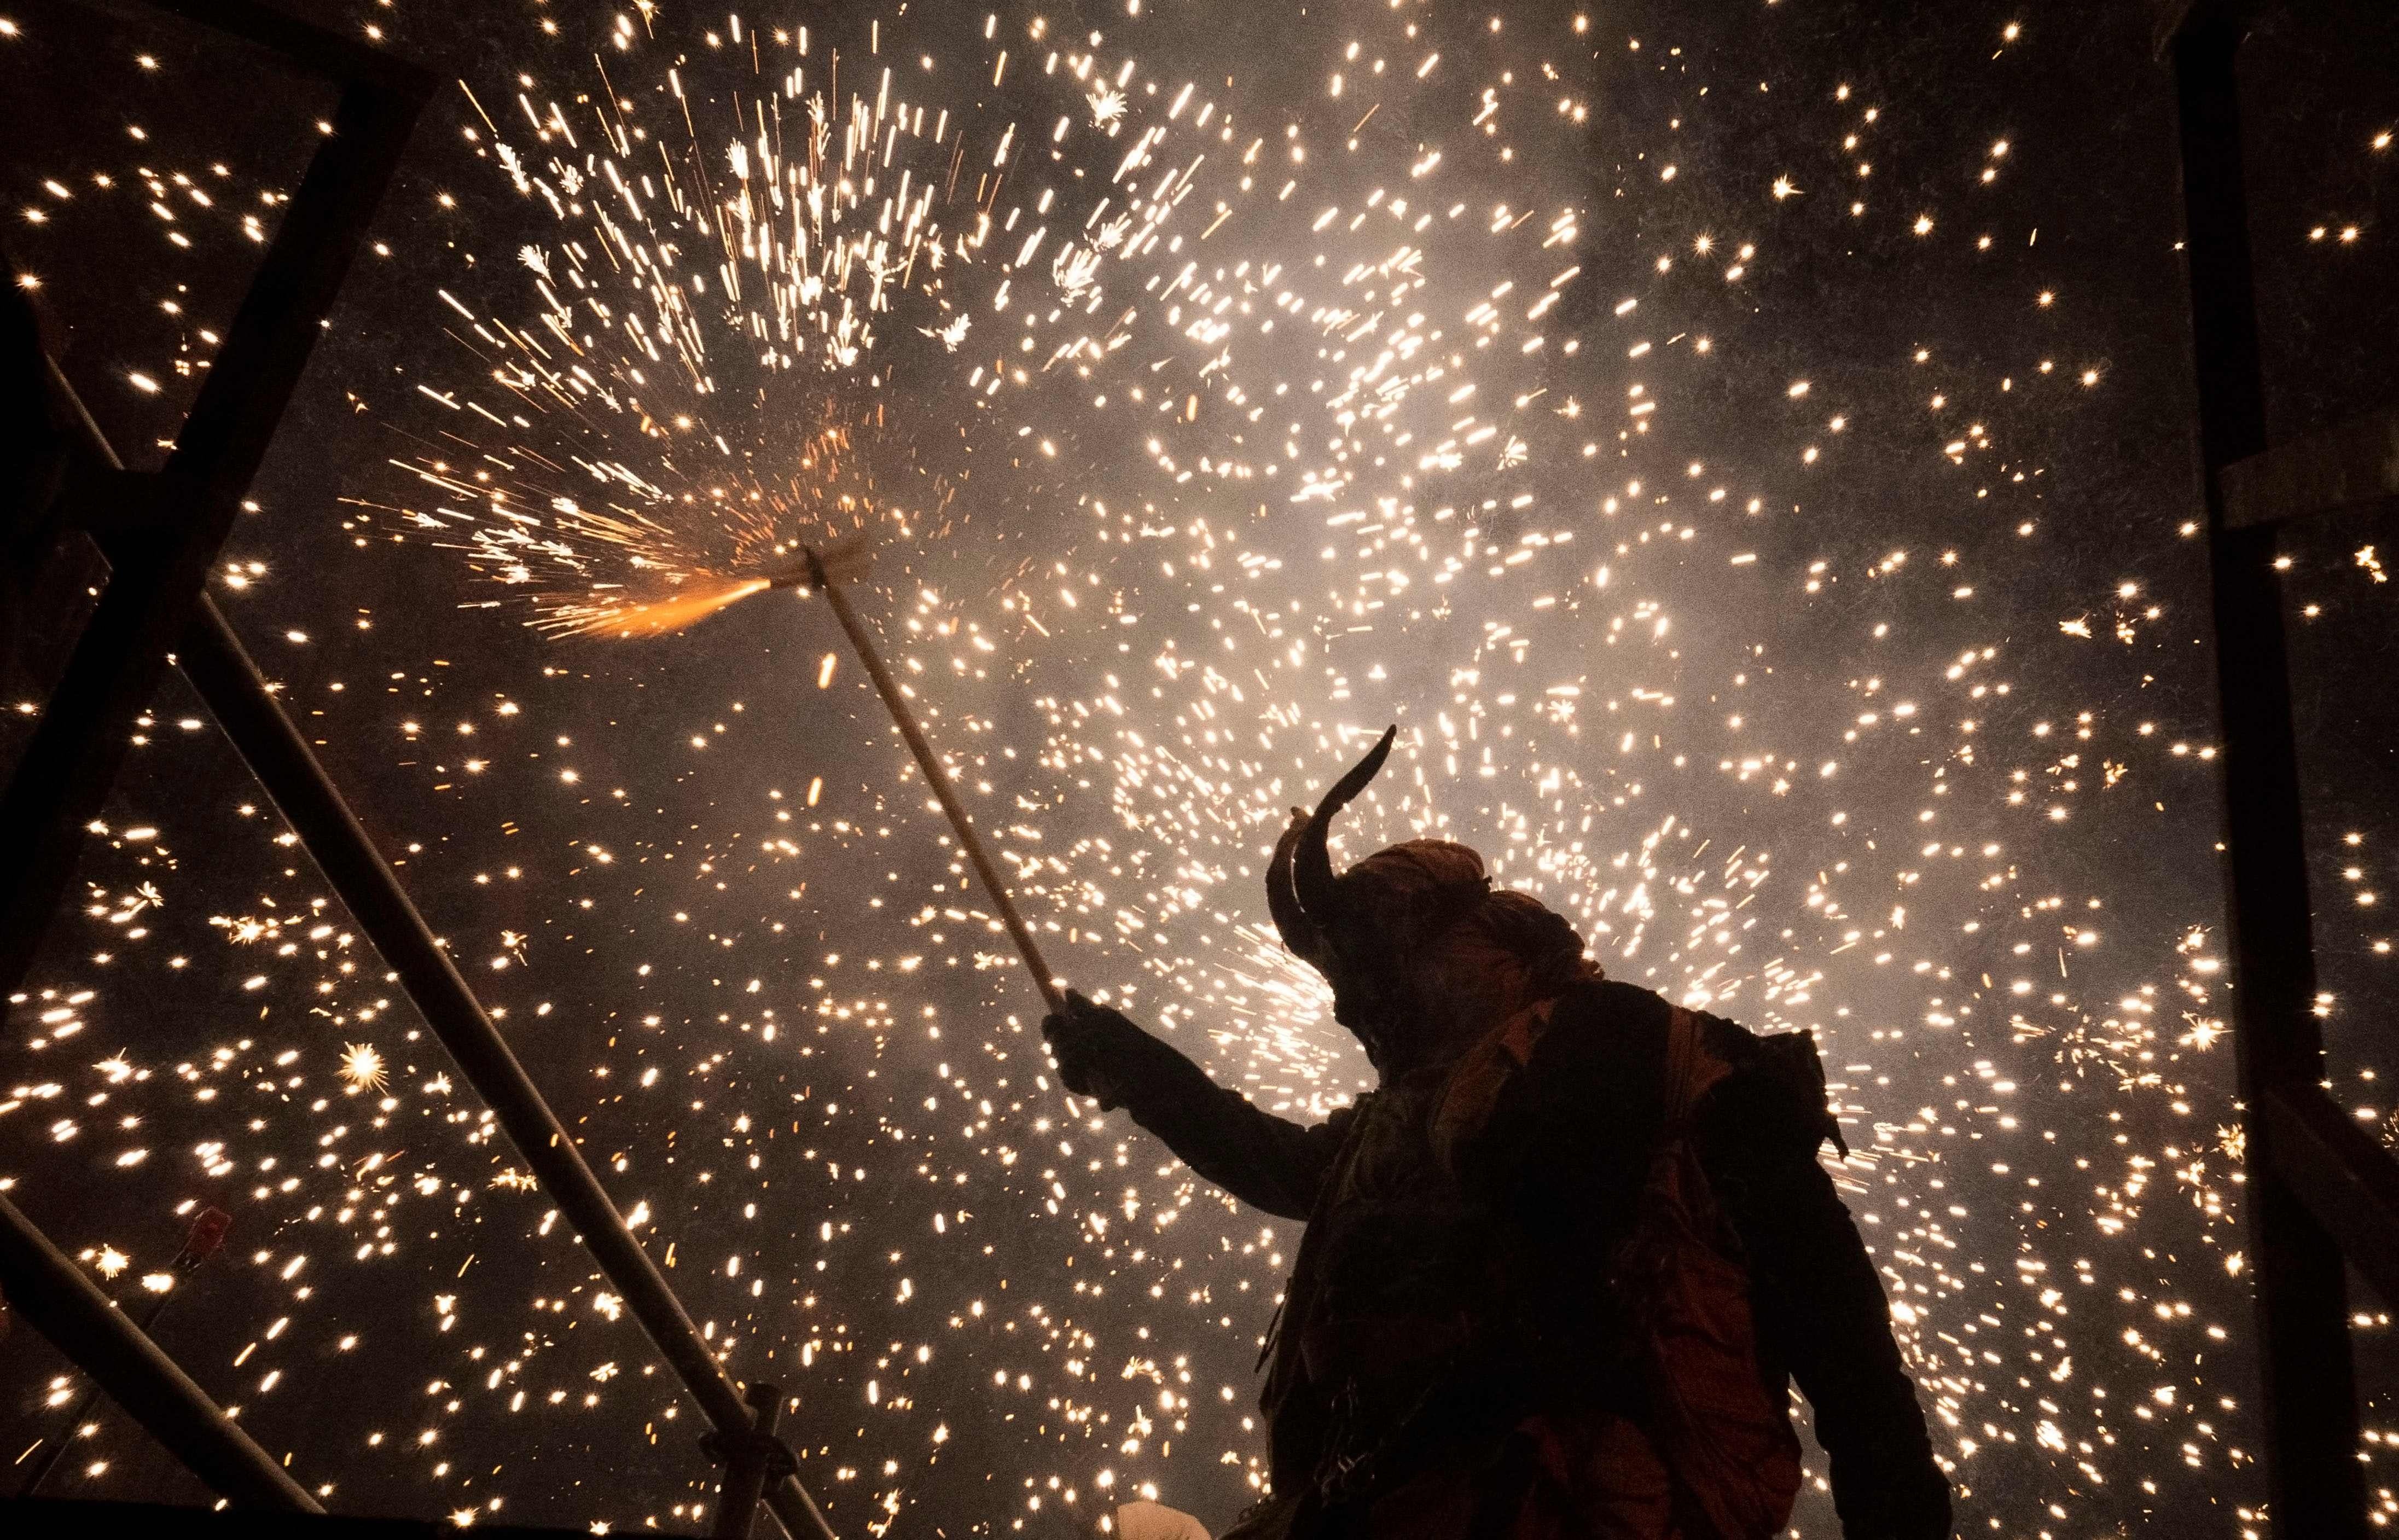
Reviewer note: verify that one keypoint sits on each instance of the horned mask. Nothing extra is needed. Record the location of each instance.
(1348, 926)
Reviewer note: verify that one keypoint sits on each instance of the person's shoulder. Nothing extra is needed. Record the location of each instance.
(1600, 1034)
(1774, 1092)
(1602, 1007)
(1572, 1093)
(1572, 1063)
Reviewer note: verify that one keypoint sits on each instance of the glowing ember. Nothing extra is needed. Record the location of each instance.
(362, 1068)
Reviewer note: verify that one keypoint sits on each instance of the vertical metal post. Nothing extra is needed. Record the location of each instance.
(751, 1459)
(2310, 1397)
(85, 1324)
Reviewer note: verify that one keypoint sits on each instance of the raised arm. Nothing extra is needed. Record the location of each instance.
(1822, 1306)
(1267, 1162)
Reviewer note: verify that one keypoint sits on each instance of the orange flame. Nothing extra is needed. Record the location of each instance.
(670, 614)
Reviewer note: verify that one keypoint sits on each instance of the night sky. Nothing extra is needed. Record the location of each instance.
(1745, 447)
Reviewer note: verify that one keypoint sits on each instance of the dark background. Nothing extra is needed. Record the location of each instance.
(2102, 1170)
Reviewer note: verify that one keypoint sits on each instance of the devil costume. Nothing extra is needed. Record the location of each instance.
(1561, 1265)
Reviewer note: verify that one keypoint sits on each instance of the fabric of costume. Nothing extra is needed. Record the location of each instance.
(1561, 1265)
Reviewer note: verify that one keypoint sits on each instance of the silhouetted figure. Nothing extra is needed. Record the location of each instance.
(1562, 1263)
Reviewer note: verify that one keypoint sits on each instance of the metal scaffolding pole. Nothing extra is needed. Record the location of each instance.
(160, 532)
(212, 657)
(2314, 1484)
(185, 511)
(208, 1233)
(84, 1324)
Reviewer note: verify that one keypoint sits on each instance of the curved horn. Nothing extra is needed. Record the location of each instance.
(1312, 860)
(1282, 897)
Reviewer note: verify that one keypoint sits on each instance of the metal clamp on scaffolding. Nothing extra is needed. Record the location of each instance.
(751, 1459)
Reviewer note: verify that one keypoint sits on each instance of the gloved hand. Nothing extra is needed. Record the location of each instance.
(1097, 1050)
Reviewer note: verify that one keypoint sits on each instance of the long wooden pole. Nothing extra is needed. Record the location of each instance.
(939, 779)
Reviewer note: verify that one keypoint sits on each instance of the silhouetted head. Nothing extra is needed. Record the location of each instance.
(1422, 953)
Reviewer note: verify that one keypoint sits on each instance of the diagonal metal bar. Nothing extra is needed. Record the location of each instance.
(213, 659)
(83, 1323)
(207, 1233)
(2310, 1387)
(80, 741)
